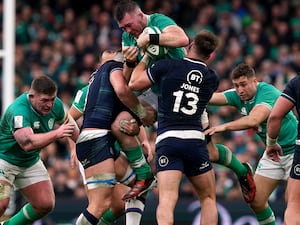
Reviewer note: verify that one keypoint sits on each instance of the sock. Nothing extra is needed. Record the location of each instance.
(107, 218)
(134, 209)
(266, 217)
(138, 162)
(226, 158)
(26, 215)
(86, 218)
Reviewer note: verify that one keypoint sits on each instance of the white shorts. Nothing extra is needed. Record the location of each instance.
(150, 97)
(275, 170)
(21, 177)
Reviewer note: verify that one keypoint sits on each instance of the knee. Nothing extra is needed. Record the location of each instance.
(258, 206)
(44, 207)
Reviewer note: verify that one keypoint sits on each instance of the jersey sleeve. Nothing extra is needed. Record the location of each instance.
(290, 91)
(80, 99)
(20, 117)
(266, 95)
(232, 97)
(157, 70)
(59, 111)
(161, 21)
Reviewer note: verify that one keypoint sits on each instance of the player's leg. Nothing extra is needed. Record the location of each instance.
(99, 173)
(168, 185)
(267, 177)
(199, 171)
(264, 187)
(131, 146)
(222, 155)
(134, 208)
(292, 212)
(35, 184)
(206, 190)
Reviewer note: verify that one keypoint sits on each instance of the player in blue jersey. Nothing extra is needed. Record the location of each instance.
(108, 95)
(289, 99)
(184, 89)
(27, 126)
(255, 101)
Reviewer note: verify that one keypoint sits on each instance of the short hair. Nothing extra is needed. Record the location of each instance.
(205, 43)
(123, 7)
(44, 85)
(242, 69)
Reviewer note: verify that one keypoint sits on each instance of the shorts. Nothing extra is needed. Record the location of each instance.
(21, 177)
(150, 97)
(187, 155)
(94, 150)
(275, 170)
(295, 170)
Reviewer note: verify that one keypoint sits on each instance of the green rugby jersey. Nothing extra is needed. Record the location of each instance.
(80, 99)
(21, 114)
(158, 20)
(267, 95)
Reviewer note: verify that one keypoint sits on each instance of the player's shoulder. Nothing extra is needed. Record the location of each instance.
(160, 20)
(295, 81)
(264, 87)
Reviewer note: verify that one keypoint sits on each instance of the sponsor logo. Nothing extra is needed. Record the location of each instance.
(204, 165)
(51, 123)
(163, 161)
(297, 170)
(194, 77)
(36, 125)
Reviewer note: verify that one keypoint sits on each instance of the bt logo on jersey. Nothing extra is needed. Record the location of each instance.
(194, 76)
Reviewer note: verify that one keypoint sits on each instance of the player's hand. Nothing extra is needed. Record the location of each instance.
(65, 130)
(143, 40)
(216, 129)
(130, 53)
(274, 152)
(129, 127)
(148, 150)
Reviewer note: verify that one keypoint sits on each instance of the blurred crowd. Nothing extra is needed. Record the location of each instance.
(65, 38)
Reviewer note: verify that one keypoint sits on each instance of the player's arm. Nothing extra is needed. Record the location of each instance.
(257, 115)
(28, 140)
(172, 36)
(128, 98)
(280, 109)
(218, 98)
(130, 54)
(139, 79)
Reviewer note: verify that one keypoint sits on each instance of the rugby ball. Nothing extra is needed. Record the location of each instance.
(155, 51)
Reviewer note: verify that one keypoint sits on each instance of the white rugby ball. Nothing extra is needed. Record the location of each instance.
(155, 51)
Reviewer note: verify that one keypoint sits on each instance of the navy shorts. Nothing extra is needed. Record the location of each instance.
(96, 150)
(187, 155)
(295, 170)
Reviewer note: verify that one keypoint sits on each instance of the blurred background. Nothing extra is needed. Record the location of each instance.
(65, 38)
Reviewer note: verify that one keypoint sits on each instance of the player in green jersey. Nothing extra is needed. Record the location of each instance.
(133, 21)
(255, 101)
(27, 126)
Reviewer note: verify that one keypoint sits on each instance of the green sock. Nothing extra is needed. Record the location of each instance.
(138, 163)
(107, 218)
(266, 217)
(226, 158)
(26, 215)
